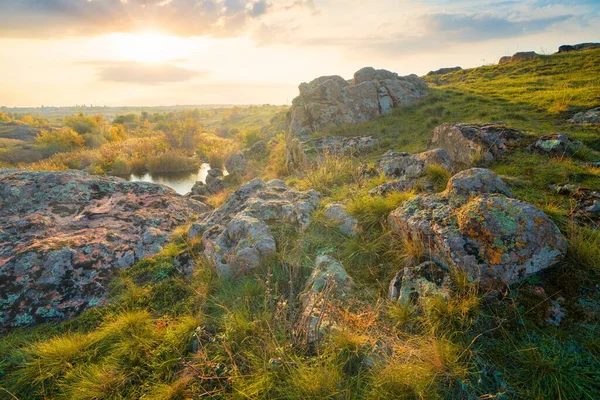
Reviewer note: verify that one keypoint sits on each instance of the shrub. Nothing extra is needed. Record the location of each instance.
(57, 141)
(171, 162)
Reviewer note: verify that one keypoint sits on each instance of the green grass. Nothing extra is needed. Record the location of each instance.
(168, 335)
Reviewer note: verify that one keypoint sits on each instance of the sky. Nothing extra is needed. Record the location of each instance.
(168, 52)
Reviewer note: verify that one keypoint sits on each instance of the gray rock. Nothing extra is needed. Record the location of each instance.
(236, 164)
(328, 284)
(591, 116)
(214, 185)
(425, 280)
(492, 238)
(257, 150)
(470, 143)
(199, 189)
(331, 101)
(578, 47)
(405, 166)
(556, 144)
(477, 181)
(236, 237)
(346, 223)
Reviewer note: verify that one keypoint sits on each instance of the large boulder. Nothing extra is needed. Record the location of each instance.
(468, 144)
(65, 235)
(237, 236)
(331, 100)
(477, 228)
(591, 116)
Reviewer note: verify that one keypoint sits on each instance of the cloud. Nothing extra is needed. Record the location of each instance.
(52, 18)
(145, 74)
(484, 26)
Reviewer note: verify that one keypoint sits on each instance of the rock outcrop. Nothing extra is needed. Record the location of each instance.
(520, 56)
(328, 284)
(331, 100)
(469, 144)
(565, 48)
(236, 237)
(591, 116)
(65, 235)
(475, 226)
(443, 71)
(556, 145)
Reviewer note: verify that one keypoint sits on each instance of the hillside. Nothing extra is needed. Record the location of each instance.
(315, 286)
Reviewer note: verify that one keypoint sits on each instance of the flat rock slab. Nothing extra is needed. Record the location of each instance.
(65, 235)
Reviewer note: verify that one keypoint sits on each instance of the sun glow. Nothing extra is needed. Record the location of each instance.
(149, 47)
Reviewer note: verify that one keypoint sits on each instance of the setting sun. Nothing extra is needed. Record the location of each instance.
(148, 47)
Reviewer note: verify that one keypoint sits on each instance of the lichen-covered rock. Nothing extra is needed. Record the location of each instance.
(65, 235)
(591, 116)
(328, 284)
(236, 164)
(557, 145)
(237, 235)
(425, 280)
(471, 143)
(214, 182)
(474, 226)
(199, 189)
(331, 100)
(346, 223)
(405, 166)
(443, 71)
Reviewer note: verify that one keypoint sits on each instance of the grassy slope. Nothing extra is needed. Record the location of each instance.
(467, 347)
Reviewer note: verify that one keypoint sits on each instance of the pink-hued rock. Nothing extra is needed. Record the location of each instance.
(65, 235)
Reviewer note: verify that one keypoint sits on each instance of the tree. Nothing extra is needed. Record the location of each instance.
(84, 124)
(183, 134)
(56, 141)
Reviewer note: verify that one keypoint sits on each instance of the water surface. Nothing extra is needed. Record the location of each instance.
(181, 182)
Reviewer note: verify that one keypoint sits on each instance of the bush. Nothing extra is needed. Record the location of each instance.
(62, 140)
(172, 162)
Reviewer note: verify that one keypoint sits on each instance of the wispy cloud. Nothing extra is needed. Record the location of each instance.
(40, 19)
(141, 73)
